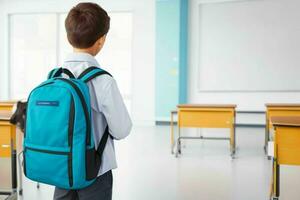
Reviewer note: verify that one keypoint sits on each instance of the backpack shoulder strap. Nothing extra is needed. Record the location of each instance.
(58, 71)
(91, 73)
(102, 143)
(87, 75)
(53, 72)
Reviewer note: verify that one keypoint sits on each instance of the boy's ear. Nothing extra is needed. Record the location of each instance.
(101, 40)
(98, 45)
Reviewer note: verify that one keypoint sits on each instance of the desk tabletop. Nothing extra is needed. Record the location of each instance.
(282, 104)
(5, 115)
(286, 121)
(8, 102)
(206, 106)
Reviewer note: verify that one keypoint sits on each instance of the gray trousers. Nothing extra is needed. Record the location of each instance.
(101, 189)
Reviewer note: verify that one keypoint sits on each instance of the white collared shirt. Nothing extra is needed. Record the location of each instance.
(107, 105)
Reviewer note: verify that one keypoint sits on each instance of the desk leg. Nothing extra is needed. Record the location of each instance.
(20, 174)
(276, 179)
(233, 136)
(277, 193)
(179, 140)
(232, 141)
(14, 170)
(276, 172)
(267, 136)
(13, 167)
(172, 134)
(178, 149)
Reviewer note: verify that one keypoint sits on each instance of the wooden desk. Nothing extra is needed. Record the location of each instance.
(205, 116)
(7, 105)
(7, 134)
(286, 147)
(8, 147)
(278, 110)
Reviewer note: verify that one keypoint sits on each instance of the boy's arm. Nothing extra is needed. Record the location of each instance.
(115, 111)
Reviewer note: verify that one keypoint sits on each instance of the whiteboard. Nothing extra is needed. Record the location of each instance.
(249, 46)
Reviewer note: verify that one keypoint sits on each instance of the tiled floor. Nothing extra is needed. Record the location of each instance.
(205, 171)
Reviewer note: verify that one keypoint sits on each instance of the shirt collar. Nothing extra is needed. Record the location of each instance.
(81, 57)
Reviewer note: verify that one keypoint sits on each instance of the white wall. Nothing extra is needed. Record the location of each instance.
(245, 100)
(143, 45)
(249, 40)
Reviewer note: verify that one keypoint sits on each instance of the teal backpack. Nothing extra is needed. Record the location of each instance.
(59, 147)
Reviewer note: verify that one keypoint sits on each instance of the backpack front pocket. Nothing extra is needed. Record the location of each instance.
(50, 167)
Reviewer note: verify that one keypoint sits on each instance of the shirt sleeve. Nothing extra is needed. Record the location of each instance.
(113, 108)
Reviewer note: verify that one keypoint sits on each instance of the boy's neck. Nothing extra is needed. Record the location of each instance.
(88, 51)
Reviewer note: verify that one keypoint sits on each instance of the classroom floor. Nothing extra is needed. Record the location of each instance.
(147, 170)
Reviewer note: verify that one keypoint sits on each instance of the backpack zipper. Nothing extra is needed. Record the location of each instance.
(47, 151)
(70, 141)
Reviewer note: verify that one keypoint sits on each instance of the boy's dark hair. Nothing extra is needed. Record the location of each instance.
(85, 24)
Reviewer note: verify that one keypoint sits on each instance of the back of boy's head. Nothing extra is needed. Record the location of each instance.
(85, 24)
